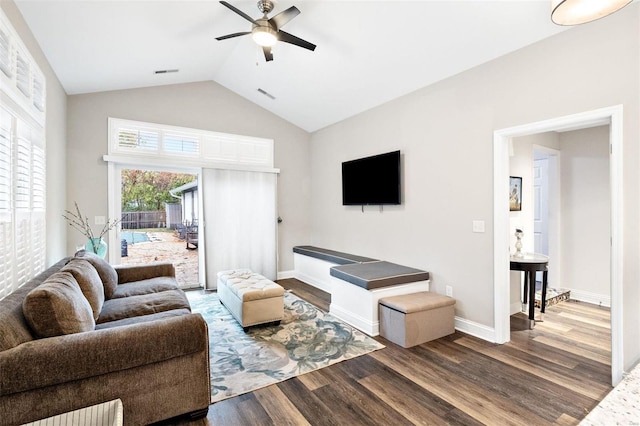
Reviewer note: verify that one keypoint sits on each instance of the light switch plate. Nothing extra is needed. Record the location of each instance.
(478, 226)
(100, 220)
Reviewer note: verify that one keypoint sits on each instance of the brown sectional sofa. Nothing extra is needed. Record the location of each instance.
(83, 332)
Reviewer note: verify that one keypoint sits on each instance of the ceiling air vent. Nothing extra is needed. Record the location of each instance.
(165, 71)
(267, 94)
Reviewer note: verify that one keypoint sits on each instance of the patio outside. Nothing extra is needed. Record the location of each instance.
(158, 208)
(163, 245)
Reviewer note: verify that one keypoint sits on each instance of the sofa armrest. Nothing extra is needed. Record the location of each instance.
(131, 273)
(62, 359)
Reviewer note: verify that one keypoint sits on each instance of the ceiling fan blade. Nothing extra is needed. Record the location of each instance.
(290, 38)
(283, 17)
(224, 37)
(239, 12)
(267, 53)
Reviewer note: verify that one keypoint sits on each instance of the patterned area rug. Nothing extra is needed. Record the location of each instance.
(306, 340)
(554, 295)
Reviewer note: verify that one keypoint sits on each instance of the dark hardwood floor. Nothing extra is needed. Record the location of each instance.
(553, 374)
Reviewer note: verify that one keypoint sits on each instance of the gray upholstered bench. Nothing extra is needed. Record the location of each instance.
(378, 274)
(251, 298)
(412, 319)
(356, 283)
(331, 256)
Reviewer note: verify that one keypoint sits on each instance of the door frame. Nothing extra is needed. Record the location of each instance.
(613, 116)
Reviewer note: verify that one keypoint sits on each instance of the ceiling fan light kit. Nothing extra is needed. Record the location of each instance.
(266, 32)
(575, 12)
(264, 36)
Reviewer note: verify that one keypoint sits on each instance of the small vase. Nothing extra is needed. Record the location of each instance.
(519, 234)
(97, 246)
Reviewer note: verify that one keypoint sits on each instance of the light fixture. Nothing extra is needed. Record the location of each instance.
(264, 35)
(574, 12)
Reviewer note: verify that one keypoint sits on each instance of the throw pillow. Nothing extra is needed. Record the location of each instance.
(89, 281)
(57, 307)
(107, 274)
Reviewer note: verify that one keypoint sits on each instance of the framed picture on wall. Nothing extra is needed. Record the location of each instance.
(515, 193)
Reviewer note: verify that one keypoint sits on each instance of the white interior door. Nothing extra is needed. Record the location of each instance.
(541, 204)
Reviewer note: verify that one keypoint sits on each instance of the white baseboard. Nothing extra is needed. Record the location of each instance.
(283, 275)
(357, 321)
(312, 281)
(474, 329)
(588, 297)
(515, 307)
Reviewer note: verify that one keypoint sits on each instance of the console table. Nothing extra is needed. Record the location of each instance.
(530, 263)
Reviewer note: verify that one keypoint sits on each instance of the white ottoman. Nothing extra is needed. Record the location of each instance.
(251, 298)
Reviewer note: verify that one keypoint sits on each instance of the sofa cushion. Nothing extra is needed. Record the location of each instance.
(14, 327)
(106, 272)
(89, 281)
(152, 285)
(143, 318)
(143, 304)
(58, 307)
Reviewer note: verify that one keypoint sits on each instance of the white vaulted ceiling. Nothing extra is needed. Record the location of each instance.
(369, 52)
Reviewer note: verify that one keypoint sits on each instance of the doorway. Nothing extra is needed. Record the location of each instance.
(502, 141)
(159, 208)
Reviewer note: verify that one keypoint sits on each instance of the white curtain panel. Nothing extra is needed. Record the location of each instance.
(240, 222)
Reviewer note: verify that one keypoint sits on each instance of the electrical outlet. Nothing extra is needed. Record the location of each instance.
(100, 220)
(449, 291)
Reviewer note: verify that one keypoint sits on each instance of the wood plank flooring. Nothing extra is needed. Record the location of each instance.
(553, 374)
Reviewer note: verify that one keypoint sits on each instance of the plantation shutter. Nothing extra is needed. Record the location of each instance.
(22, 75)
(22, 163)
(23, 204)
(38, 93)
(180, 143)
(6, 223)
(5, 54)
(138, 139)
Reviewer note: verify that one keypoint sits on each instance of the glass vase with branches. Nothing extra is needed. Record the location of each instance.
(81, 224)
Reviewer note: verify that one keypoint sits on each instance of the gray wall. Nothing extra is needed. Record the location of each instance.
(445, 132)
(204, 105)
(585, 217)
(56, 139)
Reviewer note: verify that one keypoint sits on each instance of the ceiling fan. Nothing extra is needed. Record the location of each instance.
(266, 31)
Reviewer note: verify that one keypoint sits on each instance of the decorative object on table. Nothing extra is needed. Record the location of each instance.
(519, 234)
(515, 193)
(80, 223)
(307, 339)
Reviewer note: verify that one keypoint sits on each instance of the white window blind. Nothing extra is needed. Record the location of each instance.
(22, 174)
(6, 161)
(20, 77)
(159, 142)
(5, 54)
(23, 74)
(138, 139)
(6, 259)
(38, 93)
(22, 163)
(181, 143)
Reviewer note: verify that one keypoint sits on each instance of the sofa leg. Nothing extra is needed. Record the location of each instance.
(199, 414)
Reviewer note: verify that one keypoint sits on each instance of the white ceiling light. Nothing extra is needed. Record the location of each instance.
(574, 12)
(265, 36)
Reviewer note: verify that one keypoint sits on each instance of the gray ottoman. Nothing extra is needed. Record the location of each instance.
(416, 318)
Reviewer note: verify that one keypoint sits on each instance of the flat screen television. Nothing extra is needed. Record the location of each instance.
(372, 180)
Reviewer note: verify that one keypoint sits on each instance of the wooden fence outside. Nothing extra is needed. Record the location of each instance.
(141, 220)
